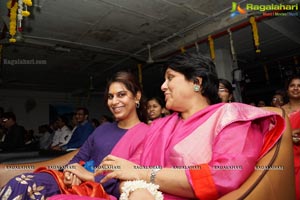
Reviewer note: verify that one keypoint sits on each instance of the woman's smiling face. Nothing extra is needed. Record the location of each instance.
(294, 89)
(177, 90)
(121, 101)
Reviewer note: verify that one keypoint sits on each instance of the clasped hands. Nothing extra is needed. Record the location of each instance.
(111, 167)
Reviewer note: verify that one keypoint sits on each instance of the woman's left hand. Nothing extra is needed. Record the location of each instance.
(119, 168)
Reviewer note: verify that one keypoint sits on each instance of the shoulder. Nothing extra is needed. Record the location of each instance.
(65, 128)
(286, 108)
(279, 111)
(248, 110)
(87, 126)
(106, 127)
(141, 125)
(231, 112)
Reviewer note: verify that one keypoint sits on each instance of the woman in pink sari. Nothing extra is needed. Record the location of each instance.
(201, 151)
(292, 108)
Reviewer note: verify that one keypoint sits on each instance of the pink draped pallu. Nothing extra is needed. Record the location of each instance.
(223, 136)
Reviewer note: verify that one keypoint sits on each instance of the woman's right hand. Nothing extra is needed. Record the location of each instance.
(119, 168)
(71, 179)
(74, 174)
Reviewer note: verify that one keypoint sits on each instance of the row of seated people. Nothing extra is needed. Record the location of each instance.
(203, 150)
(64, 139)
(14, 137)
(61, 137)
(279, 98)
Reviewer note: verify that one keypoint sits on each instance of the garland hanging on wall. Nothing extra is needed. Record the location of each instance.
(211, 47)
(255, 33)
(12, 19)
(15, 22)
(140, 73)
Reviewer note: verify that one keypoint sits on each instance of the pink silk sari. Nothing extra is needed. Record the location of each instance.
(232, 135)
(224, 135)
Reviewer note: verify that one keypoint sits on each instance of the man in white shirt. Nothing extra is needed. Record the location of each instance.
(62, 135)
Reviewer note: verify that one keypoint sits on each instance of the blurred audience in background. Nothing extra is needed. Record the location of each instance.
(261, 103)
(83, 130)
(225, 91)
(155, 109)
(62, 135)
(15, 136)
(95, 122)
(46, 137)
(105, 119)
(277, 99)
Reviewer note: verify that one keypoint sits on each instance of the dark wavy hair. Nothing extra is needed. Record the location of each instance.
(193, 66)
(131, 83)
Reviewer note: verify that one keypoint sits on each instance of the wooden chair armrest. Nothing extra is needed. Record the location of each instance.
(271, 184)
(8, 171)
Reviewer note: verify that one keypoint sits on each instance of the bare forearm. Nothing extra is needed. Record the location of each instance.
(172, 181)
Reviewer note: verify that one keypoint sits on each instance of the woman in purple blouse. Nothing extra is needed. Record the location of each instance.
(123, 96)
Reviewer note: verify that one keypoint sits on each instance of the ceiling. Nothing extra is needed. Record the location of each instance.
(75, 45)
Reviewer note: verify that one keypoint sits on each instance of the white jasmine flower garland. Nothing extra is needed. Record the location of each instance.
(130, 186)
